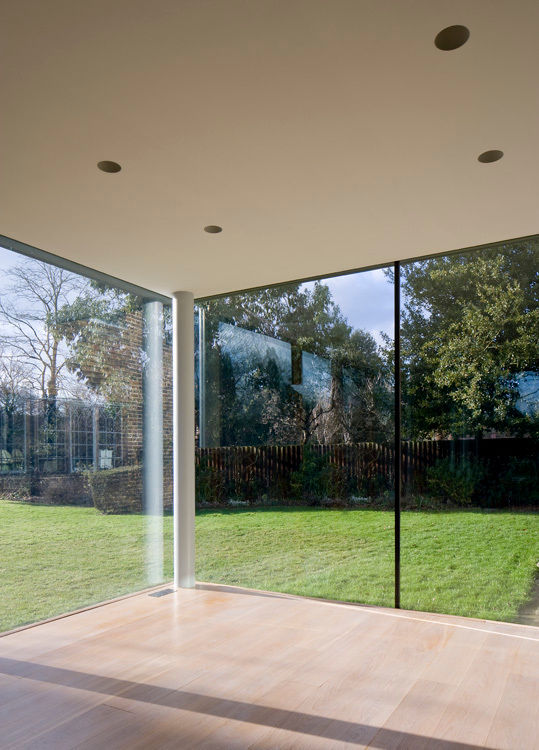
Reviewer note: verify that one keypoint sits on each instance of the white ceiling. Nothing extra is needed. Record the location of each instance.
(323, 135)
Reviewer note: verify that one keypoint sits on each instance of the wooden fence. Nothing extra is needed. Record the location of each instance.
(365, 468)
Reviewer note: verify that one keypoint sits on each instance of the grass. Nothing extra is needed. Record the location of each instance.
(54, 559)
(471, 563)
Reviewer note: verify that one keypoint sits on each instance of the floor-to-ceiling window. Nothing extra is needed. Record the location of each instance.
(296, 435)
(470, 380)
(85, 440)
(295, 438)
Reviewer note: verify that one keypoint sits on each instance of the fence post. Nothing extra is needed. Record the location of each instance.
(25, 421)
(69, 406)
(95, 436)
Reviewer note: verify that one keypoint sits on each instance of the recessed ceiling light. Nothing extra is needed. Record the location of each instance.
(452, 37)
(213, 229)
(108, 166)
(487, 157)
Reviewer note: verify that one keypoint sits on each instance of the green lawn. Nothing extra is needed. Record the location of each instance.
(55, 559)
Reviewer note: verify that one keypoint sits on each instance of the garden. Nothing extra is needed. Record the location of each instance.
(476, 563)
(295, 433)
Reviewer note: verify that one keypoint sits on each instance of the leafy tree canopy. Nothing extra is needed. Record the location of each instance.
(257, 406)
(470, 329)
(84, 323)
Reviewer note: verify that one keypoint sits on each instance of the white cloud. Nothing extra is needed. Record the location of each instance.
(365, 300)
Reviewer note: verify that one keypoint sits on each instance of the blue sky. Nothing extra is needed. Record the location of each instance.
(365, 299)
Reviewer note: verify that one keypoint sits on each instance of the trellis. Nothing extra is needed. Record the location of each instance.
(61, 436)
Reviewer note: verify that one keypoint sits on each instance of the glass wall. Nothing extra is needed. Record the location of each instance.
(470, 380)
(85, 441)
(295, 437)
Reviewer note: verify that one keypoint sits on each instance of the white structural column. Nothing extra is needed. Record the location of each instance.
(184, 438)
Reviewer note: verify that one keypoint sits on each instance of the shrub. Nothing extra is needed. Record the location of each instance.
(209, 484)
(516, 483)
(249, 489)
(339, 487)
(311, 481)
(374, 485)
(117, 490)
(455, 480)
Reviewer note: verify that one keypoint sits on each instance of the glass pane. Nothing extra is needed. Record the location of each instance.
(470, 529)
(85, 441)
(294, 439)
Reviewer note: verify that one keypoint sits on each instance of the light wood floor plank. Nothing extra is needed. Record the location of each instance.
(221, 667)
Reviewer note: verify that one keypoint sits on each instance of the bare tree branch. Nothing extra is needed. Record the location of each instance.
(30, 326)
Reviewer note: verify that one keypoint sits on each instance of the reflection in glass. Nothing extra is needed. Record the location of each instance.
(294, 438)
(85, 440)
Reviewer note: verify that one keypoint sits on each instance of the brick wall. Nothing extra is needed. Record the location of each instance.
(119, 375)
(113, 366)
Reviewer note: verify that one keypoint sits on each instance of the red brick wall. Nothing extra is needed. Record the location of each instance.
(116, 372)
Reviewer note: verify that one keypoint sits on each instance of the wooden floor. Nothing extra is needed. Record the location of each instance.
(218, 667)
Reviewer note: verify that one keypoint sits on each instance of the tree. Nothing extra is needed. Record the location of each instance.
(361, 391)
(15, 387)
(249, 398)
(15, 381)
(304, 317)
(90, 324)
(31, 334)
(469, 333)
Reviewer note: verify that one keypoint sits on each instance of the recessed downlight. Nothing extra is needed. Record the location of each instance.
(452, 37)
(108, 166)
(213, 229)
(487, 157)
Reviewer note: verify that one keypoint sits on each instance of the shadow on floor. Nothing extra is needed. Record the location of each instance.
(296, 721)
